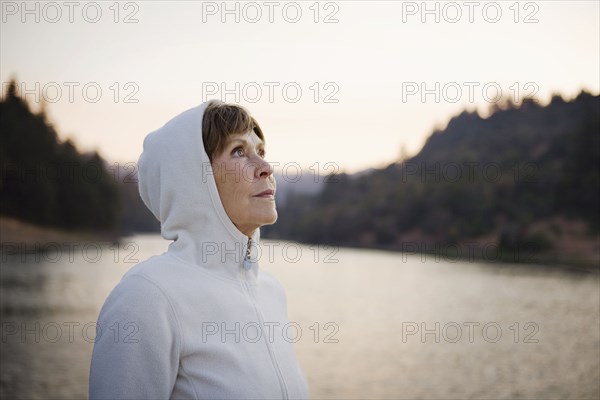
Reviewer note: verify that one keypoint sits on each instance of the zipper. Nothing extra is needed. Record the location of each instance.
(247, 264)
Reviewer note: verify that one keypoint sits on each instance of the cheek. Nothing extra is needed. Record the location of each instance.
(235, 183)
(239, 203)
(238, 188)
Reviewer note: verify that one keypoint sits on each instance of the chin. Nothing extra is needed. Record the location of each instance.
(270, 219)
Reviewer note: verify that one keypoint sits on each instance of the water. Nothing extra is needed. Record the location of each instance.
(359, 315)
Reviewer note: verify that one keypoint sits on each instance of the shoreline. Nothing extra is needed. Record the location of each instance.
(15, 233)
(17, 237)
(541, 260)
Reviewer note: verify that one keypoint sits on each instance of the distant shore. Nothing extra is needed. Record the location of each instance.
(15, 233)
(18, 236)
(532, 261)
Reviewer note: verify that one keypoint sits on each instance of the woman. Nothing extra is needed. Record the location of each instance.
(201, 320)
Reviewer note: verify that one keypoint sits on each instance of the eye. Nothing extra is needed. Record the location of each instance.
(237, 150)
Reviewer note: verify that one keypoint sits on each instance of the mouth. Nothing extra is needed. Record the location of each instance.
(266, 194)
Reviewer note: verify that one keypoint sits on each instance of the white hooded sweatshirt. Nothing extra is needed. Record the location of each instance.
(202, 320)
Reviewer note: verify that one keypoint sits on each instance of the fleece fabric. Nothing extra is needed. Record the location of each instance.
(195, 322)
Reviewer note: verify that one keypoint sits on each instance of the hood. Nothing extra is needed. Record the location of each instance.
(176, 182)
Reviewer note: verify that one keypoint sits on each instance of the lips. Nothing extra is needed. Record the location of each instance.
(268, 192)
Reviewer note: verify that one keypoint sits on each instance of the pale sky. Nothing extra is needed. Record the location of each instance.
(373, 58)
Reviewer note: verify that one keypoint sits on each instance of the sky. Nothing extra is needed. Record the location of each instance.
(336, 86)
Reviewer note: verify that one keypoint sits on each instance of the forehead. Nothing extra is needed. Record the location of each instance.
(250, 138)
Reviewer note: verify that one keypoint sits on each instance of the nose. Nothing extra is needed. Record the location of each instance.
(264, 169)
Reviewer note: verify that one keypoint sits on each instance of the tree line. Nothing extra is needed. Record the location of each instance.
(478, 176)
(50, 183)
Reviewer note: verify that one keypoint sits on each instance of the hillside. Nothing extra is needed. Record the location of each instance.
(524, 182)
(49, 183)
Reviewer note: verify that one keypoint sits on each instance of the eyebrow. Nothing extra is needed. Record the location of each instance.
(246, 143)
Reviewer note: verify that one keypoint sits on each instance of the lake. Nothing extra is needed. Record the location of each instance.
(366, 323)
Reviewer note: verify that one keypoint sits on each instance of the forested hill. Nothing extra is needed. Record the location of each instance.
(499, 178)
(527, 174)
(49, 183)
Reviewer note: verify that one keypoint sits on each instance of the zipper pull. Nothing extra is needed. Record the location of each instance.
(247, 262)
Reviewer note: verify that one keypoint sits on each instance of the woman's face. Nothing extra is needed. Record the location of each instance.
(242, 174)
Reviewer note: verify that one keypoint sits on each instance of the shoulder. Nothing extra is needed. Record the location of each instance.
(162, 273)
(140, 303)
(154, 268)
(138, 295)
(141, 291)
